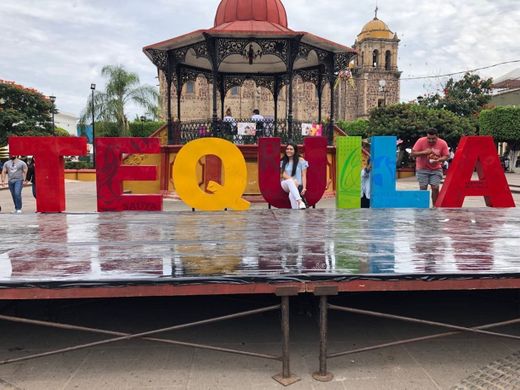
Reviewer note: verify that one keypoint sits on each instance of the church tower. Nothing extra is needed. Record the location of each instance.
(375, 75)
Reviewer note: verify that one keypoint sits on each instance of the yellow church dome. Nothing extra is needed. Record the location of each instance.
(375, 29)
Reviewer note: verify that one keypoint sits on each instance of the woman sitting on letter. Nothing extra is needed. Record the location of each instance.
(294, 174)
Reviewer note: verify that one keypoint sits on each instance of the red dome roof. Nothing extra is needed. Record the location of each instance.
(271, 11)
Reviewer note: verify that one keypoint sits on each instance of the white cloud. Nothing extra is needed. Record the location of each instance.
(60, 46)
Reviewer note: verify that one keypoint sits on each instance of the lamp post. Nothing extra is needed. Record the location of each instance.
(93, 88)
(382, 88)
(53, 99)
(143, 119)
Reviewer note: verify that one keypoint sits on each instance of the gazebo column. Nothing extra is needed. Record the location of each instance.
(214, 117)
(294, 46)
(332, 80)
(319, 86)
(222, 97)
(212, 51)
(179, 93)
(290, 109)
(276, 93)
(169, 80)
(331, 123)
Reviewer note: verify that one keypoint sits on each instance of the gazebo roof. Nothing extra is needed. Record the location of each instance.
(251, 26)
(264, 31)
(247, 26)
(236, 11)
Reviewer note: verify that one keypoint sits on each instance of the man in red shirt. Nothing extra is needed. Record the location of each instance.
(430, 152)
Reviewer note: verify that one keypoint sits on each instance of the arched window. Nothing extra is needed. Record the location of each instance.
(190, 87)
(375, 58)
(388, 60)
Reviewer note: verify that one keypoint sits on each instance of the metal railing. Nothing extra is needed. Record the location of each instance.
(227, 129)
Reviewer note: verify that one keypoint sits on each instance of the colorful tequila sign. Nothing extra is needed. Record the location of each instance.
(473, 153)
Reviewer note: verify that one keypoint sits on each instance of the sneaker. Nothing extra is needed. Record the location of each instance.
(18, 211)
(302, 206)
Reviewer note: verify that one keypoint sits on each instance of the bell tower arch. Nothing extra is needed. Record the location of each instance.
(375, 70)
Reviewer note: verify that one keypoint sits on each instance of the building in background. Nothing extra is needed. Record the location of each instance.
(67, 122)
(507, 89)
(375, 75)
(373, 80)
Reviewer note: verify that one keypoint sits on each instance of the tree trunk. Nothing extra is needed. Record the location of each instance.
(513, 156)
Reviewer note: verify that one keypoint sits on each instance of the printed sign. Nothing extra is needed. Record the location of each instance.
(246, 128)
(312, 129)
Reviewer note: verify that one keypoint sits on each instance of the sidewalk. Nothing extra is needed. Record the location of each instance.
(81, 197)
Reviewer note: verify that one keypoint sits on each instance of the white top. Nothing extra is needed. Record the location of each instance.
(365, 183)
(302, 165)
(257, 117)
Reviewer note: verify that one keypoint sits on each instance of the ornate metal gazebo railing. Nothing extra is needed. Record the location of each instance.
(191, 130)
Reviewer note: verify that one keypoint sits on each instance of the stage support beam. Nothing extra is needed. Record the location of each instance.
(285, 377)
(324, 292)
(322, 375)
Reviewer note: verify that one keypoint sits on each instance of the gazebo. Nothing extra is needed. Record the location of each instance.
(250, 40)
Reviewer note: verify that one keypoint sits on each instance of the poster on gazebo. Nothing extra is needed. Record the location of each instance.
(246, 128)
(312, 129)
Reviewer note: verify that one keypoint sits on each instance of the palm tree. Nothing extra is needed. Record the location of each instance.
(122, 87)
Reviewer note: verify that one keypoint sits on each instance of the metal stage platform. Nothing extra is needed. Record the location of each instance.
(258, 251)
(283, 252)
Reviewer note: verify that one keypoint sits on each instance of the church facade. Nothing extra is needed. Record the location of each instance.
(372, 80)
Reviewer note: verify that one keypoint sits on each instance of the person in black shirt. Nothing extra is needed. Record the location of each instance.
(31, 175)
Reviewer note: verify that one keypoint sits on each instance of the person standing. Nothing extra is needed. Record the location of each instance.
(228, 117)
(430, 153)
(230, 125)
(16, 171)
(259, 119)
(365, 185)
(31, 175)
(256, 117)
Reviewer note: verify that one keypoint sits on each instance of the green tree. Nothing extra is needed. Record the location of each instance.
(503, 123)
(154, 112)
(23, 112)
(358, 127)
(140, 128)
(59, 132)
(465, 97)
(122, 87)
(409, 122)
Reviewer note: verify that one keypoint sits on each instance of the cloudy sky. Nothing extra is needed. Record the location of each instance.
(60, 46)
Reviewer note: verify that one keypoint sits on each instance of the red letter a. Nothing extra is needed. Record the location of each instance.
(479, 152)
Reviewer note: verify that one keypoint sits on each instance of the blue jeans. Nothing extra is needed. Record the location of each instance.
(16, 192)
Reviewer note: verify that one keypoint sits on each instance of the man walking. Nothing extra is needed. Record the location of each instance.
(16, 172)
(430, 152)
